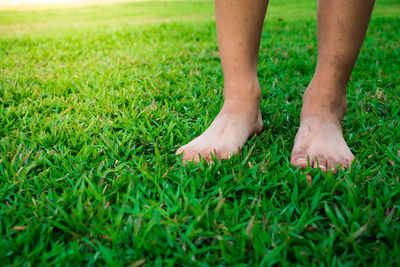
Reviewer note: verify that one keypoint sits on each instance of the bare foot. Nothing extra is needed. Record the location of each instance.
(319, 139)
(235, 123)
(322, 143)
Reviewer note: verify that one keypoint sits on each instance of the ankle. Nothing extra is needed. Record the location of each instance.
(243, 91)
(326, 102)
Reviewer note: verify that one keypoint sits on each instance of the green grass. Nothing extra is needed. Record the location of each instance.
(95, 100)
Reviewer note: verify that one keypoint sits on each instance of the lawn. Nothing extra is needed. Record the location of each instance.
(95, 100)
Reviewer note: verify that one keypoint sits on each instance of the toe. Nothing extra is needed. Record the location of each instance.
(345, 164)
(208, 155)
(299, 159)
(180, 150)
(225, 152)
(195, 157)
(320, 162)
(190, 156)
(332, 165)
(350, 160)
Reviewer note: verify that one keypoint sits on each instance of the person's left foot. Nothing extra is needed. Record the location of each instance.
(319, 141)
(322, 144)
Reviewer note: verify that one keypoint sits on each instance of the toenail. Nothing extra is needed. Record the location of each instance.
(301, 160)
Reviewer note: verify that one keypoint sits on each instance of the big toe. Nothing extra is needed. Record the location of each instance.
(299, 158)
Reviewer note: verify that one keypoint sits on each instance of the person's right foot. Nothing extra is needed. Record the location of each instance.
(239, 119)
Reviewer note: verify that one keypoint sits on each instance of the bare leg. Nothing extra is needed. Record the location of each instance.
(239, 26)
(341, 29)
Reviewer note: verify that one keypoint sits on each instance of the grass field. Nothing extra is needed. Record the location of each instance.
(95, 100)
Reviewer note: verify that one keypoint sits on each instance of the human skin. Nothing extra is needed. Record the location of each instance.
(341, 27)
